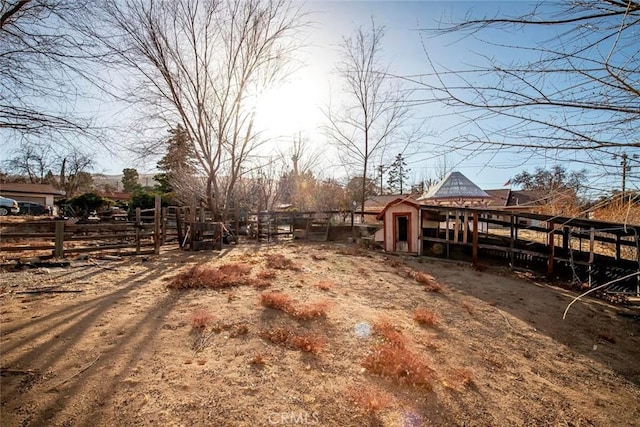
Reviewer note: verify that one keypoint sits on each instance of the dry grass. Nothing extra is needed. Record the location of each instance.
(391, 358)
(280, 262)
(305, 341)
(369, 398)
(258, 359)
(318, 257)
(311, 311)
(325, 285)
(308, 342)
(425, 317)
(207, 276)
(266, 275)
(429, 282)
(283, 302)
(201, 319)
(276, 300)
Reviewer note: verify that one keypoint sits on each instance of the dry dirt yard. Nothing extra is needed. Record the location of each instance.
(355, 338)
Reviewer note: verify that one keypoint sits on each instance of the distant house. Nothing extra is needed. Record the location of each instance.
(37, 193)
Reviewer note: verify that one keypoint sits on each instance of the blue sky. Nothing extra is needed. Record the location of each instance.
(293, 108)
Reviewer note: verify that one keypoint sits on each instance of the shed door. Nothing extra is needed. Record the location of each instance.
(402, 233)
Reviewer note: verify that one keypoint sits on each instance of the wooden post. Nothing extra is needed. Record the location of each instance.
(456, 227)
(474, 250)
(512, 241)
(59, 243)
(618, 247)
(156, 225)
(592, 237)
(138, 229)
(551, 245)
(179, 224)
(164, 226)
(565, 238)
(465, 227)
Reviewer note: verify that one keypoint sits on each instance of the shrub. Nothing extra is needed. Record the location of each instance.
(276, 300)
(277, 336)
(266, 275)
(280, 262)
(392, 358)
(258, 359)
(207, 276)
(385, 329)
(316, 310)
(425, 317)
(201, 319)
(429, 282)
(308, 342)
(368, 398)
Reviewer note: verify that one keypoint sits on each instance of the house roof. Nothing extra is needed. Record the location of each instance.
(528, 198)
(499, 198)
(382, 201)
(398, 201)
(18, 187)
(455, 186)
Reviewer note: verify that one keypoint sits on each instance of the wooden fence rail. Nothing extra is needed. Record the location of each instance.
(59, 238)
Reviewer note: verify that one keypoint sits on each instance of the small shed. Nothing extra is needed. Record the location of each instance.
(401, 229)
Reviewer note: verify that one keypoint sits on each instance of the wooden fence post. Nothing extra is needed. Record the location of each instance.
(138, 229)
(163, 219)
(551, 245)
(59, 243)
(156, 225)
(474, 249)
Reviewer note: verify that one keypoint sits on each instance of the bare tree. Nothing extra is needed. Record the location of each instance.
(64, 168)
(42, 69)
(377, 108)
(572, 94)
(204, 64)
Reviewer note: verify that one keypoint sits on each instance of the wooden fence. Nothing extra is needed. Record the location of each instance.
(58, 238)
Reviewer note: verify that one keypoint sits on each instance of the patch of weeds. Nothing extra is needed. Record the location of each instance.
(311, 311)
(318, 257)
(429, 282)
(276, 300)
(280, 262)
(266, 275)
(283, 302)
(258, 359)
(261, 284)
(363, 272)
(200, 319)
(308, 342)
(207, 276)
(239, 330)
(425, 317)
(391, 358)
(305, 341)
(371, 400)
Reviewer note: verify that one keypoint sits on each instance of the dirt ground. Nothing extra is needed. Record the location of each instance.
(126, 350)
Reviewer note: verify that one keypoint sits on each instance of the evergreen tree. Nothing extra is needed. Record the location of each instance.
(130, 180)
(398, 174)
(177, 162)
